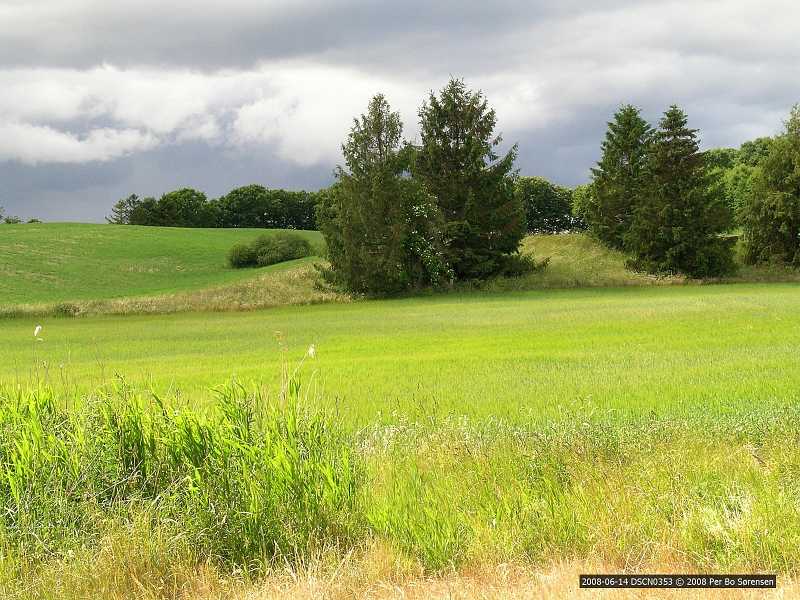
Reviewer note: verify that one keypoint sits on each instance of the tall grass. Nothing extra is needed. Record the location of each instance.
(153, 490)
(239, 483)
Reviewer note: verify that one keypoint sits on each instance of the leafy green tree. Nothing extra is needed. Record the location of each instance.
(185, 208)
(377, 221)
(771, 217)
(752, 152)
(482, 222)
(249, 206)
(738, 182)
(144, 213)
(681, 211)
(608, 205)
(548, 207)
(722, 158)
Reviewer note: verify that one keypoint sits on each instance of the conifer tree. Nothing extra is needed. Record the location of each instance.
(378, 223)
(771, 216)
(681, 210)
(121, 212)
(482, 222)
(617, 180)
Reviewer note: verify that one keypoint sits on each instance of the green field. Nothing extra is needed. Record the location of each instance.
(58, 262)
(584, 412)
(639, 349)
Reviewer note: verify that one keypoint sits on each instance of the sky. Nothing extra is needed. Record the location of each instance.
(100, 100)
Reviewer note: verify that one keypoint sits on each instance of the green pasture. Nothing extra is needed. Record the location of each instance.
(638, 349)
(57, 262)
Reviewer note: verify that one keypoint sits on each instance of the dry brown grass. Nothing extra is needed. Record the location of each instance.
(294, 285)
(499, 582)
(120, 572)
(496, 582)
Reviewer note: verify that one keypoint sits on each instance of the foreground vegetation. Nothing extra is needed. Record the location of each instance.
(121, 494)
(637, 427)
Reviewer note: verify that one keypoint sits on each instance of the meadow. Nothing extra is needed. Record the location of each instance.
(603, 418)
(66, 262)
(635, 349)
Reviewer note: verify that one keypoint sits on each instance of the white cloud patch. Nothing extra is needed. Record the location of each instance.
(302, 111)
(33, 144)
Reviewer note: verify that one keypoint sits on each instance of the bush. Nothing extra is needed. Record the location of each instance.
(241, 256)
(269, 250)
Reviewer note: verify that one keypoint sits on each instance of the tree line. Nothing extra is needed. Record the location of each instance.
(248, 206)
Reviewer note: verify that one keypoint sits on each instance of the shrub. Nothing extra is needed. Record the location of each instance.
(269, 249)
(280, 247)
(241, 256)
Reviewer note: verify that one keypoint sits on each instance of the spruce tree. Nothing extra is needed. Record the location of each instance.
(771, 216)
(378, 223)
(121, 212)
(681, 210)
(482, 222)
(618, 177)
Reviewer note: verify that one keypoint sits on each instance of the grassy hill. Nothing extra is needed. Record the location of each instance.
(68, 269)
(60, 262)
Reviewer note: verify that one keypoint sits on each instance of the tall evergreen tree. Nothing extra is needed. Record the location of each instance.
(482, 221)
(617, 180)
(122, 210)
(377, 221)
(681, 212)
(771, 216)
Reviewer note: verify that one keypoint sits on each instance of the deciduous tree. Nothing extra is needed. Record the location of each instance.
(548, 207)
(771, 217)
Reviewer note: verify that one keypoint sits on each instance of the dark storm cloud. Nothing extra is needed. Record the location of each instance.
(239, 34)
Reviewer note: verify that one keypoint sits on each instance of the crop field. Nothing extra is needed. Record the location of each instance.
(597, 418)
(642, 349)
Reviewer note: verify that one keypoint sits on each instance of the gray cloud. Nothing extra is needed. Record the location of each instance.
(193, 93)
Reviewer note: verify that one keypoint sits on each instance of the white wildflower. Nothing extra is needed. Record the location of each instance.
(36, 333)
(311, 351)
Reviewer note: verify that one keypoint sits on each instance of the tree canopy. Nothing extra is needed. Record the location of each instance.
(379, 223)
(617, 180)
(548, 207)
(771, 215)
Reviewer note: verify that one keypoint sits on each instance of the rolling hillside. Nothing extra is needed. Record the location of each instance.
(60, 262)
